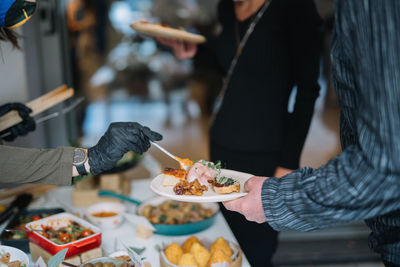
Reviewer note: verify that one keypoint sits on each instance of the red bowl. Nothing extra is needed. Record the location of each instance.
(59, 220)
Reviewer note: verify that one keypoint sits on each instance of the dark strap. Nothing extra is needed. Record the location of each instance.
(81, 169)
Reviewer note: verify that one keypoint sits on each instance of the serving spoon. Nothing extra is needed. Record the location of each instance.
(185, 164)
(23, 230)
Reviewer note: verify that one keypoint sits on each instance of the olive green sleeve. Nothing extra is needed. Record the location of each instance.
(39, 166)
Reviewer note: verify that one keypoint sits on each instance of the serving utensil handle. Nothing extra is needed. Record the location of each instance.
(163, 150)
(104, 193)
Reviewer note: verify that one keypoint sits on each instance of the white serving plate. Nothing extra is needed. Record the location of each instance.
(15, 255)
(209, 196)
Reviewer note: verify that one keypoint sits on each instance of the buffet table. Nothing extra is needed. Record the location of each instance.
(113, 240)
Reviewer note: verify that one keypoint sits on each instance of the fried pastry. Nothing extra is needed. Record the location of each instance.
(173, 253)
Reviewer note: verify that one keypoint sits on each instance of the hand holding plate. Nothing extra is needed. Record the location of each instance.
(250, 206)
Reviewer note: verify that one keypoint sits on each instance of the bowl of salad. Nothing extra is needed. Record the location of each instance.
(64, 230)
(18, 239)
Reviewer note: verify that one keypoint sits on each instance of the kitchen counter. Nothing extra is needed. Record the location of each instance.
(113, 240)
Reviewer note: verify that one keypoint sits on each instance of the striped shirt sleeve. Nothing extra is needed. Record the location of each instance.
(37, 166)
(364, 180)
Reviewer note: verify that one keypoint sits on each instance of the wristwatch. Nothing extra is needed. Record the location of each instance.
(80, 157)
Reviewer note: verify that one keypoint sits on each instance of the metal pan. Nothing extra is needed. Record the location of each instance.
(169, 229)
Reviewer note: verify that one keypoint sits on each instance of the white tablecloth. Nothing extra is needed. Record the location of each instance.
(112, 239)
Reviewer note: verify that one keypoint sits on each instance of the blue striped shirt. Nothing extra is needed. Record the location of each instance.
(363, 182)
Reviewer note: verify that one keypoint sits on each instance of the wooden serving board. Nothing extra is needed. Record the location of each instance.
(37, 105)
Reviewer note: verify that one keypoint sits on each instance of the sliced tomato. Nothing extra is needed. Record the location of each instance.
(65, 238)
(86, 232)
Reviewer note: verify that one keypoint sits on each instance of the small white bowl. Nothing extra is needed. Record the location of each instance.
(106, 222)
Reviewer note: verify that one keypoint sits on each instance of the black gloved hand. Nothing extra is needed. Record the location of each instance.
(28, 123)
(120, 138)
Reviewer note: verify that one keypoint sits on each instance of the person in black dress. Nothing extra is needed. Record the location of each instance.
(253, 131)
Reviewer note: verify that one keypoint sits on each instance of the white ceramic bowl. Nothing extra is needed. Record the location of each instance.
(106, 222)
(15, 255)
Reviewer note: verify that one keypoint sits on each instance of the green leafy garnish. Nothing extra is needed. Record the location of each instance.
(218, 165)
(162, 217)
(224, 180)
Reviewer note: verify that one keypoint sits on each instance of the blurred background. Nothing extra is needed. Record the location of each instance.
(123, 76)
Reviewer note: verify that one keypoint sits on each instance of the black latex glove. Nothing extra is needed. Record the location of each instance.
(120, 138)
(28, 123)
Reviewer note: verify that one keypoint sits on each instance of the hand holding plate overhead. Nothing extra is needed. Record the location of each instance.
(164, 31)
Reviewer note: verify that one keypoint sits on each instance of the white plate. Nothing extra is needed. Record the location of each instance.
(15, 255)
(208, 196)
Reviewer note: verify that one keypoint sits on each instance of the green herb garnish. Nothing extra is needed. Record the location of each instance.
(224, 180)
(162, 217)
(218, 165)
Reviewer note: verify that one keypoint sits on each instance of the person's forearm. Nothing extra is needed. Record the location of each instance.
(42, 166)
(346, 189)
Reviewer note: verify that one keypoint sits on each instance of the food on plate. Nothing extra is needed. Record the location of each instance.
(194, 253)
(218, 256)
(199, 177)
(184, 162)
(5, 260)
(225, 185)
(221, 244)
(200, 253)
(187, 245)
(14, 264)
(203, 171)
(173, 253)
(187, 259)
(103, 214)
(176, 212)
(122, 258)
(173, 176)
(189, 188)
(66, 234)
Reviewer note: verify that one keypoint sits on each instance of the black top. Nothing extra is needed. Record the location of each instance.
(283, 51)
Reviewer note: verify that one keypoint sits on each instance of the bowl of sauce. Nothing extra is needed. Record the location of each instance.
(106, 215)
